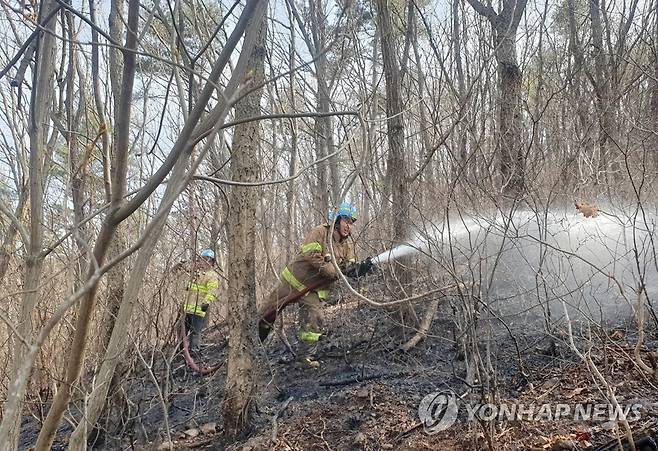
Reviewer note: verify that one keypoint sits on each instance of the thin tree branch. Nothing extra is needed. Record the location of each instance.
(485, 10)
(14, 220)
(27, 43)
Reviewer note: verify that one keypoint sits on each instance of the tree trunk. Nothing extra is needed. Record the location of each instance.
(509, 144)
(462, 150)
(576, 81)
(116, 276)
(40, 103)
(602, 91)
(396, 173)
(396, 165)
(77, 158)
(654, 94)
(9, 240)
(323, 128)
(105, 236)
(242, 259)
(115, 287)
(512, 159)
(291, 238)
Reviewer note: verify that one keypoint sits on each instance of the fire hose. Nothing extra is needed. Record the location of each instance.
(268, 318)
(188, 357)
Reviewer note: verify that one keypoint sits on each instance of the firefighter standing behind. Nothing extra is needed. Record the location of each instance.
(311, 266)
(201, 292)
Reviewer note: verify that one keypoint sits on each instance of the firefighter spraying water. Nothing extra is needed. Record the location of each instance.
(308, 279)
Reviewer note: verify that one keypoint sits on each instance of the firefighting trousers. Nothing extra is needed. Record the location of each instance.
(194, 325)
(310, 319)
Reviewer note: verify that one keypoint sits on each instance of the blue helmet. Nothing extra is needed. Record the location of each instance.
(345, 209)
(208, 253)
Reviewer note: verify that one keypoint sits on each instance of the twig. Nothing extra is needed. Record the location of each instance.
(275, 425)
(165, 414)
(597, 374)
(408, 431)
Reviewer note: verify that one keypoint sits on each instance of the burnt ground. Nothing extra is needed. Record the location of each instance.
(367, 392)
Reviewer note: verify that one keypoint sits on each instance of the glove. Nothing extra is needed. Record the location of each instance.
(359, 269)
(366, 266)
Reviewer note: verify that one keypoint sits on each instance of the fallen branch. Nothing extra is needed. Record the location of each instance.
(423, 329)
(358, 379)
(642, 440)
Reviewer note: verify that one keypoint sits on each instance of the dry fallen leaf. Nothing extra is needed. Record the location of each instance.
(589, 211)
(362, 392)
(575, 392)
(617, 335)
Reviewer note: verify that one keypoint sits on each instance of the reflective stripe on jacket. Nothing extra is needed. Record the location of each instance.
(202, 290)
(309, 265)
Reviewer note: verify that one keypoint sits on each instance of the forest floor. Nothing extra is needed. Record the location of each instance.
(367, 392)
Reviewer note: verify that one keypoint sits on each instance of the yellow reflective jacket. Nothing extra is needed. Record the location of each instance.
(310, 266)
(201, 291)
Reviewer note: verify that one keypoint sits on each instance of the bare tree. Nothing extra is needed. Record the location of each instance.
(196, 127)
(238, 395)
(396, 165)
(509, 145)
(654, 91)
(40, 107)
(105, 236)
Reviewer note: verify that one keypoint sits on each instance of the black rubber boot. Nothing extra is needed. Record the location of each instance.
(264, 329)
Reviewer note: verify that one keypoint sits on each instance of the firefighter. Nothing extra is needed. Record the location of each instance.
(201, 292)
(312, 267)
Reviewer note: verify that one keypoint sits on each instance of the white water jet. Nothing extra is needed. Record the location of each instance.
(537, 258)
(400, 251)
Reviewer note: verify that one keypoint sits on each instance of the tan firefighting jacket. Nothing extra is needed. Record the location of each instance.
(310, 266)
(201, 291)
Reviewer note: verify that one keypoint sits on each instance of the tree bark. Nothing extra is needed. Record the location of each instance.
(242, 259)
(512, 160)
(396, 168)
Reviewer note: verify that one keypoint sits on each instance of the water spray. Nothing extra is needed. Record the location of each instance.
(455, 231)
(400, 251)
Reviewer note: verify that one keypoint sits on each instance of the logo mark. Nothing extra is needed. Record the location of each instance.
(438, 411)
